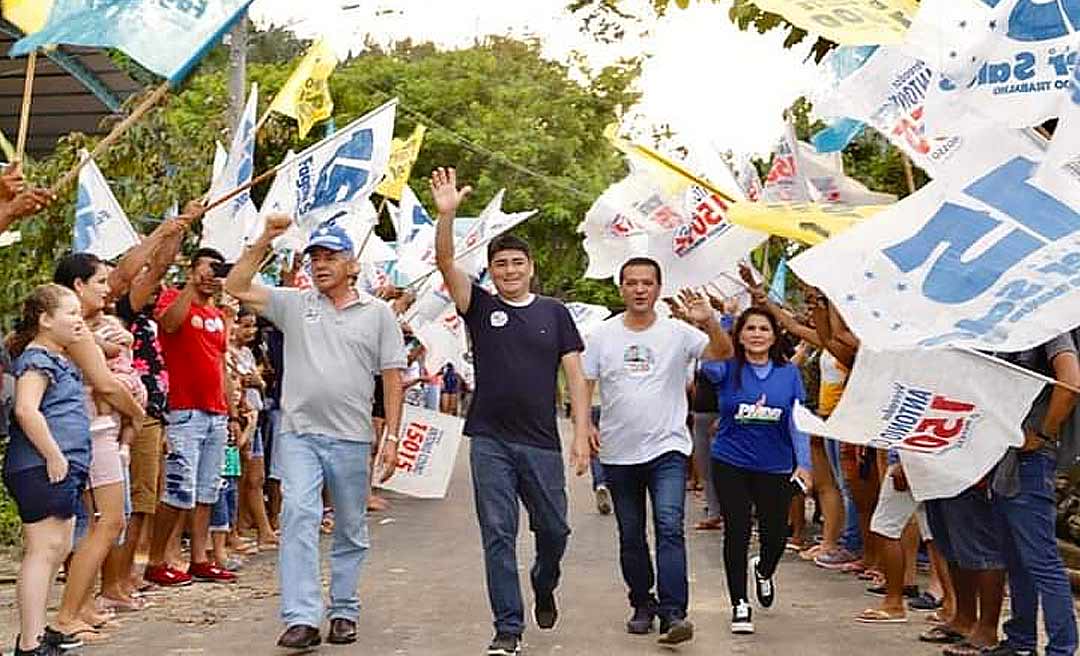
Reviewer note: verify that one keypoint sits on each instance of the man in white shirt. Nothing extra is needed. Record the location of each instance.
(640, 361)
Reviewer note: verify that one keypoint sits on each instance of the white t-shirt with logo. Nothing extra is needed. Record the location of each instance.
(642, 379)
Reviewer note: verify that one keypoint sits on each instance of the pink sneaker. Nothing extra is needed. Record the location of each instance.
(837, 559)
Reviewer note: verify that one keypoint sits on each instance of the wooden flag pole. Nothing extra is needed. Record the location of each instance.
(24, 117)
(363, 244)
(909, 174)
(111, 138)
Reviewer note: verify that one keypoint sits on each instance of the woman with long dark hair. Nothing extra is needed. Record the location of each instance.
(754, 455)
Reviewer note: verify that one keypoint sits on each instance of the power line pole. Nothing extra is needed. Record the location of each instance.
(238, 45)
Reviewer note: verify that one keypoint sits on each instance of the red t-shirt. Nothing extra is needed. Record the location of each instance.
(194, 356)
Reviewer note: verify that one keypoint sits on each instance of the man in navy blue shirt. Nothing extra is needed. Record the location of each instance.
(519, 342)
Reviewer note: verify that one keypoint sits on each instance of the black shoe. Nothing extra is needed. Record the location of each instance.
(299, 636)
(675, 631)
(545, 611)
(764, 587)
(742, 621)
(642, 621)
(911, 592)
(505, 644)
(44, 648)
(62, 640)
(342, 631)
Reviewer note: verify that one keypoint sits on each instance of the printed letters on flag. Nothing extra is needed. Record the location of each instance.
(989, 259)
(101, 227)
(427, 450)
(848, 22)
(1000, 62)
(944, 411)
(167, 36)
(338, 172)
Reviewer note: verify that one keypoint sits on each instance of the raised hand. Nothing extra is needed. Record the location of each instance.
(446, 193)
(698, 309)
(747, 276)
(276, 225)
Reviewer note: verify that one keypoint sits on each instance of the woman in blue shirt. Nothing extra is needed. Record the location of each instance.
(754, 455)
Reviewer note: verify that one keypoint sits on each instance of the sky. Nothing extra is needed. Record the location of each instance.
(712, 84)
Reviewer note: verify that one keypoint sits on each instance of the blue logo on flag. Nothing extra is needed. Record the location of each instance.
(1034, 20)
(344, 175)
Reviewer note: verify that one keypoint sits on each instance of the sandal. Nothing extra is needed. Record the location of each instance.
(712, 524)
(878, 616)
(941, 635)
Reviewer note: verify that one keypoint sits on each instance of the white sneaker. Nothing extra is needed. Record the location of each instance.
(742, 622)
(766, 591)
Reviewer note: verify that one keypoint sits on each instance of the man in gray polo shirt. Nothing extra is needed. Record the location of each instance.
(336, 340)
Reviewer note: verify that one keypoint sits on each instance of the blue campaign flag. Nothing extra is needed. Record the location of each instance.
(837, 136)
(169, 37)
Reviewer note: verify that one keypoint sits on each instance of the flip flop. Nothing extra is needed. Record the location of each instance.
(90, 635)
(714, 524)
(941, 635)
(878, 616)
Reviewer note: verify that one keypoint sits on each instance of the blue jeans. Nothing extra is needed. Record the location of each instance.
(851, 538)
(596, 470)
(196, 442)
(1036, 572)
(502, 473)
(664, 479)
(306, 462)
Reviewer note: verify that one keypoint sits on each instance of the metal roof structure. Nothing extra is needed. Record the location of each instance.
(74, 89)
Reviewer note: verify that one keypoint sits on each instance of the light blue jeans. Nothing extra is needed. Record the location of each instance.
(306, 462)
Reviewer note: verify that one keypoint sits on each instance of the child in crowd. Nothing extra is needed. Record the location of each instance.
(48, 459)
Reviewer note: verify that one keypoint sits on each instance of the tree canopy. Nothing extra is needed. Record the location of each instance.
(498, 111)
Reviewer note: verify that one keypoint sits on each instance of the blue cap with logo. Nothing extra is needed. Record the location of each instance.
(330, 236)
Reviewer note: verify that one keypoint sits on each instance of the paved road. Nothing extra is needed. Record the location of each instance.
(423, 593)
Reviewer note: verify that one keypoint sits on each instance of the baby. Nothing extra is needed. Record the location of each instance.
(116, 342)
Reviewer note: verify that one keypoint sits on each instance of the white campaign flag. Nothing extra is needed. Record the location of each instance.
(339, 171)
(692, 252)
(101, 227)
(471, 250)
(588, 317)
(748, 179)
(229, 226)
(410, 217)
(988, 258)
(446, 340)
(825, 173)
(787, 182)
(999, 62)
(944, 411)
(427, 450)
(221, 156)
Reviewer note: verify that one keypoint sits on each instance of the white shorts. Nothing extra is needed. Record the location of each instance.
(894, 510)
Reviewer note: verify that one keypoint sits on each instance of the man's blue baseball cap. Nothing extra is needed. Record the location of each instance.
(331, 237)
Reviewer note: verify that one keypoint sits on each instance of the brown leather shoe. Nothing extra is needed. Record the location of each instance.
(299, 636)
(342, 631)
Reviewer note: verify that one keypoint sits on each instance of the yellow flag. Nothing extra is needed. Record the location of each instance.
(306, 94)
(848, 22)
(403, 154)
(810, 223)
(27, 15)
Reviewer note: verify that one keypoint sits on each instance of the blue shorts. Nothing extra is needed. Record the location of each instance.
(965, 530)
(196, 443)
(37, 499)
(223, 516)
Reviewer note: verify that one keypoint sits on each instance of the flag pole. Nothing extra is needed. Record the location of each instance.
(112, 137)
(24, 116)
(909, 175)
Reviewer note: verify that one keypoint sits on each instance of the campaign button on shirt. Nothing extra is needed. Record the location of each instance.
(499, 319)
